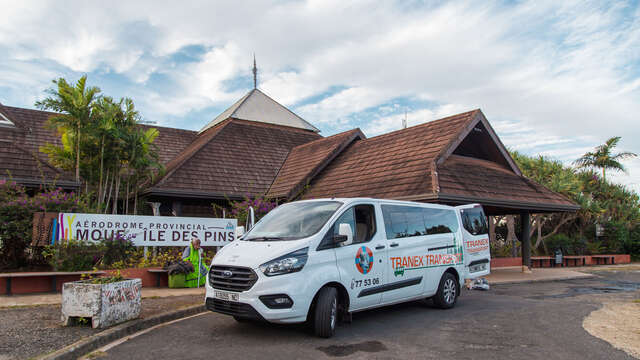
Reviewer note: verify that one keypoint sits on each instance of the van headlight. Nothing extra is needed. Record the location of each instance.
(286, 264)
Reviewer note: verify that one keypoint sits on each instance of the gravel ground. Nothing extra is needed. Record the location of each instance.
(617, 323)
(26, 332)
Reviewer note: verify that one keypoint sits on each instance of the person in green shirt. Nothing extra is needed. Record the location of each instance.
(193, 254)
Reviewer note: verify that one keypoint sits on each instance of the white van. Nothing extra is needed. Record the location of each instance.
(321, 260)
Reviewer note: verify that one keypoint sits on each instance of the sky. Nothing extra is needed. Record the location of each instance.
(555, 78)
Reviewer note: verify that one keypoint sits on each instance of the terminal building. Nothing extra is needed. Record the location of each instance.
(259, 147)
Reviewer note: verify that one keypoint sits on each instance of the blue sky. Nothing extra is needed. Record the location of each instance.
(553, 77)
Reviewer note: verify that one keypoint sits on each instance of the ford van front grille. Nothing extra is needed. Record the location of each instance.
(232, 278)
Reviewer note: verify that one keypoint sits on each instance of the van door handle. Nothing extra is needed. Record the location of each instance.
(379, 247)
(394, 245)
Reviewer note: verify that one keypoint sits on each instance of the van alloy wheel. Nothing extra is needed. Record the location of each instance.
(334, 313)
(447, 293)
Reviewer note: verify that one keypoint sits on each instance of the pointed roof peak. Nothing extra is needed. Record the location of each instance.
(257, 106)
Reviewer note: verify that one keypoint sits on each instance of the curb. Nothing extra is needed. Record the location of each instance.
(117, 332)
(589, 276)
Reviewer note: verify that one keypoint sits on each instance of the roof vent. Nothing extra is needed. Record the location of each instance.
(5, 122)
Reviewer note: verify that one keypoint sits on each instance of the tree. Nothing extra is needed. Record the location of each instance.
(603, 157)
(117, 152)
(75, 104)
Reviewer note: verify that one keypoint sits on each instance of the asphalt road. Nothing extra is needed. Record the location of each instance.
(523, 321)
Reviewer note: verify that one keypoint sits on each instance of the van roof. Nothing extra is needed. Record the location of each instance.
(347, 201)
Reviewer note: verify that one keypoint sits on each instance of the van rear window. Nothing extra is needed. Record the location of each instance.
(474, 221)
(406, 221)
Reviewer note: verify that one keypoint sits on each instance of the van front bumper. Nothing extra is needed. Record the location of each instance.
(232, 308)
(250, 306)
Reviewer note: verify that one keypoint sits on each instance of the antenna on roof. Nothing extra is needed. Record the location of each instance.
(255, 72)
(404, 121)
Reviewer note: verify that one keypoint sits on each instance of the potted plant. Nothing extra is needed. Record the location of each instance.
(105, 300)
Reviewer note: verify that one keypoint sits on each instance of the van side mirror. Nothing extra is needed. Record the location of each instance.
(239, 231)
(345, 235)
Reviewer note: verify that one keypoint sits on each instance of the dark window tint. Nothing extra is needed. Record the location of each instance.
(474, 221)
(440, 221)
(405, 221)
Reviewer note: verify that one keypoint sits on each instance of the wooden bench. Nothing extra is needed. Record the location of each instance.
(606, 259)
(53, 275)
(575, 259)
(541, 260)
(158, 273)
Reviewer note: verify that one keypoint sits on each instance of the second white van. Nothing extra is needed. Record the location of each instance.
(319, 261)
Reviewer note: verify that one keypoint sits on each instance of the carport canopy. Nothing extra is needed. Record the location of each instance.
(455, 160)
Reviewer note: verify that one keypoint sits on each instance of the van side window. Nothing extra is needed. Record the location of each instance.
(474, 221)
(346, 218)
(361, 219)
(406, 221)
(440, 221)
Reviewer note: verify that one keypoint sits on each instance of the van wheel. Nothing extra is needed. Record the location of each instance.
(326, 312)
(448, 291)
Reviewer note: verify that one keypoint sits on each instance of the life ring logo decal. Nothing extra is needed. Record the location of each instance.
(364, 260)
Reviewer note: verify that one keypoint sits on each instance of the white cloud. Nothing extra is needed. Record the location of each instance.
(566, 72)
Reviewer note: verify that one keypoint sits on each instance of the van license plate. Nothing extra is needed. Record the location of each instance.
(224, 295)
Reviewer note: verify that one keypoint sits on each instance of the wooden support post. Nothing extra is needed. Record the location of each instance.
(176, 206)
(525, 239)
(155, 206)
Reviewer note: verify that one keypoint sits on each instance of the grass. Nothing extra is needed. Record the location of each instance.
(96, 354)
(636, 301)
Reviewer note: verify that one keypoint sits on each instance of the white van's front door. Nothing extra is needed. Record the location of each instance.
(362, 260)
(475, 233)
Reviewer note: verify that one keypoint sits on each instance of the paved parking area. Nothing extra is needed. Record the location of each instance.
(511, 321)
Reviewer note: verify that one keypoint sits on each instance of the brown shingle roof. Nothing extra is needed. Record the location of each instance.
(28, 168)
(31, 132)
(233, 159)
(396, 164)
(418, 164)
(306, 161)
(489, 182)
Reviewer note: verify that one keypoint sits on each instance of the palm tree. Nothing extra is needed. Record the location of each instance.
(603, 158)
(74, 105)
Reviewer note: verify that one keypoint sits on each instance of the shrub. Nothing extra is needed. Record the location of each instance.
(16, 219)
(562, 242)
(632, 246)
(116, 249)
(74, 255)
(595, 247)
(616, 235)
(261, 206)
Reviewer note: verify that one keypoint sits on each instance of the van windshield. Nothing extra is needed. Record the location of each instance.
(293, 221)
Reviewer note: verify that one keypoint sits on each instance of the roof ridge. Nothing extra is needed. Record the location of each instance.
(425, 124)
(459, 136)
(330, 137)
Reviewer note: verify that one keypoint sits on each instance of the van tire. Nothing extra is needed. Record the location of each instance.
(448, 291)
(325, 317)
(241, 319)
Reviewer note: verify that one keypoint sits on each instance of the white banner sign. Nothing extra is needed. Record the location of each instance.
(146, 230)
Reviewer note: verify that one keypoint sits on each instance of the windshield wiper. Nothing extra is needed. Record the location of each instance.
(265, 238)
